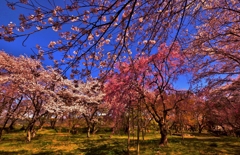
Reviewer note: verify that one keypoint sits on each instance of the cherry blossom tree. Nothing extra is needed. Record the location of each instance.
(151, 78)
(200, 112)
(215, 49)
(10, 102)
(11, 99)
(76, 98)
(30, 84)
(192, 114)
(164, 68)
(224, 104)
(82, 99)
(38, 91)
(123, 100)
(215, 54)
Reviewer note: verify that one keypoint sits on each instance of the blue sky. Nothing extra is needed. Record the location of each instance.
(42, 38)
(6, 16)
(16, 48)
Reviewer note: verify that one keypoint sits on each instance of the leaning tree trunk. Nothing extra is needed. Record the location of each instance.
(163, 133)
(3, 127)
(11, 126)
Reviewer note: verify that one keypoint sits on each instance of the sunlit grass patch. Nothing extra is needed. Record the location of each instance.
(48, 141)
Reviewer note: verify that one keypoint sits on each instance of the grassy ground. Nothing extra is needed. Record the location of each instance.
(50, 142)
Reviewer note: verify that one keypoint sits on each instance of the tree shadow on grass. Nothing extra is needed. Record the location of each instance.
(103, 147)
(14, 152)
(193, 145)
(212, 145)
(53, 153)
(26, 152)
(105, 150)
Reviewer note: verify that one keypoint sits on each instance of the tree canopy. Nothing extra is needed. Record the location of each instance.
(98, 33)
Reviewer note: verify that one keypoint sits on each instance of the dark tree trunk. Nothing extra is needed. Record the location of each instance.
(53, 123)
(128, 130)
(94, 128)
(22, 128)
(3, 127)
(11, 126)
(41, 123)
(74, 130)
(89, 125)
(200, 128)
(143, 133)
(1, 131)
(163, 133)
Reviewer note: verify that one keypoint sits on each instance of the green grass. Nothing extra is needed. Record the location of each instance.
(50, 142)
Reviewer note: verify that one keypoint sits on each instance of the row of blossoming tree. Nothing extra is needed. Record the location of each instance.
(144, 84)
(30, 92)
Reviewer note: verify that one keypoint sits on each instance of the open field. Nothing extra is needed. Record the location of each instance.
(50, 142)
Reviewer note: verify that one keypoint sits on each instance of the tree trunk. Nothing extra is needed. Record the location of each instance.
(53, 123)
(94, 128)
(143, 133)
(88, 132)
(11, 126)
(30, 130)
(1, 131)
(128, 142)
(200, 128)
(41, 123)
(3, 127)
(163, 133)
(138, 135)
(30, 133)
